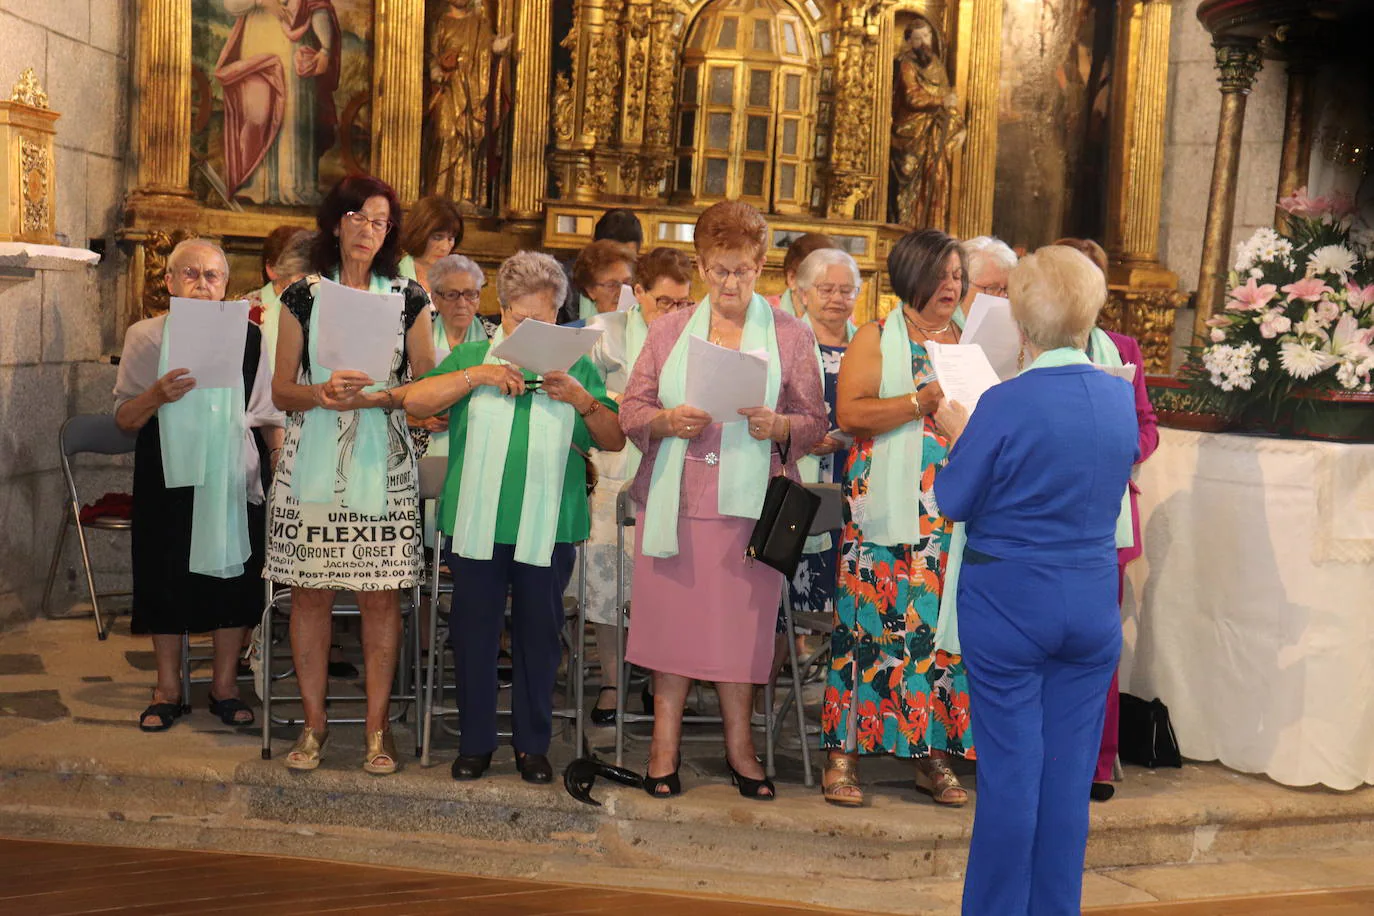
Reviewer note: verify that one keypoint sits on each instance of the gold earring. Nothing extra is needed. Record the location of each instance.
(1021, 358)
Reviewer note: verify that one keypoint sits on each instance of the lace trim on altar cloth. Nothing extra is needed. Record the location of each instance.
(1345, 507)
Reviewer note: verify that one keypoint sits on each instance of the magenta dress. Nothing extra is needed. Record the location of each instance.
(706, 613)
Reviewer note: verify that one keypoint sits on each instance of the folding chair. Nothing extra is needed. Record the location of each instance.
(95, 434)
(406, 692)
(829, 517)
(432, 472)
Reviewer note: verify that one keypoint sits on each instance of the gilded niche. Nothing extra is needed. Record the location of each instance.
(36, 175)
(927, 129)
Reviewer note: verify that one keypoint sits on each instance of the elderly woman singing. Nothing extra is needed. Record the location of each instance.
(701, 610)
(514, 505)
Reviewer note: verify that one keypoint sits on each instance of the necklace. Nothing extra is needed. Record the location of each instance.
(924, 332)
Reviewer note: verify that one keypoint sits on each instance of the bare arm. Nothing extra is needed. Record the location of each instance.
(134, 414)
(859, 410)
(428, 396)
(287, 393)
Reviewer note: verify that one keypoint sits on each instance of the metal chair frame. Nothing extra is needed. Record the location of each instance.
(87, 434)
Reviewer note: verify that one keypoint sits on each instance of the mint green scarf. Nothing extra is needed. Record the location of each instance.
(202, 447)
(959, 318)
(947, 629)
(406, 268)
(809, 466)
(787, 304)
(893, 506)
(317, 457)
(271, 321)
(744, 460)
(438, 442)
(586, 308)
(1108, 355)
(636, 332)
(490, 418)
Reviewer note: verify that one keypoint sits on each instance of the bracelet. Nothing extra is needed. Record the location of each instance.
(468, 379)
(915, 403)
(596, 405)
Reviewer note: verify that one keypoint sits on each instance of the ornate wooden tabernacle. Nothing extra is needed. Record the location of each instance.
(28, 179)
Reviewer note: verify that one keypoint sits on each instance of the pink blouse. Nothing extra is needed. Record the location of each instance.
(801, 399)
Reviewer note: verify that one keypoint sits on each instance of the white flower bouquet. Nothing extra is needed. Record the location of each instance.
(1299, 313)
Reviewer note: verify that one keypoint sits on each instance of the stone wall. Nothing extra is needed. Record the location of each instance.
(58, 329)
(1190, 142)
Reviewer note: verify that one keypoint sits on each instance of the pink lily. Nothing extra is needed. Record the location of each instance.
(1309, 288)
(1218, 321)
(1251, 297)
(1359, 296)
(1299, 204)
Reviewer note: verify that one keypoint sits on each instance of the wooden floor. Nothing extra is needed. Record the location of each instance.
(64, 879)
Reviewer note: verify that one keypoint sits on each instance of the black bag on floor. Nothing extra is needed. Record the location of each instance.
(1147, 737)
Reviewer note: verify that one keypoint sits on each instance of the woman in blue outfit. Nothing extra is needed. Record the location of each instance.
(1037, 476)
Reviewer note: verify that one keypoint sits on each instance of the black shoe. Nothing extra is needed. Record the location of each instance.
(760, 789)
(470, 766)
(603, 716)
(671, 782)
(1102, 791)
(534, 767)
(343, 670)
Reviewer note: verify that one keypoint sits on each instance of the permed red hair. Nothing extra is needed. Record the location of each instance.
(731, 225)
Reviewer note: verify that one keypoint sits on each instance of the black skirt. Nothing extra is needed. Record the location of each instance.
(169, 599)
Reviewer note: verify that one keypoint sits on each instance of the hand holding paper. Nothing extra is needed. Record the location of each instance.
(207, 338)
(542, 348)
(722, 382)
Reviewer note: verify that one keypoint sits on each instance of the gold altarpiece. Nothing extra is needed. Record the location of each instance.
(624, 103)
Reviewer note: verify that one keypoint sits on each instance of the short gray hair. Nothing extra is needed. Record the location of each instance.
(990, 248)
(1056, 295)
(294, 260)
(814, 266)
(455, 264)
(187, 244)
(527, 272)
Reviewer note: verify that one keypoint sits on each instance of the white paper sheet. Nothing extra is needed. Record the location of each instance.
(359, 330)
(991, 327)
(627, 298)
(722, 382)
(542, 348)
(208, 338)
(1127, 371)
(963, 371)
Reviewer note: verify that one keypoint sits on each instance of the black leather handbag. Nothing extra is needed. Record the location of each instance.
(780, 534)
(1147, 736)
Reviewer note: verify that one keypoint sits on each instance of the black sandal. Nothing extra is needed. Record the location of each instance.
(166, 714)
(228, 709)
(672, 782)
(752, 788)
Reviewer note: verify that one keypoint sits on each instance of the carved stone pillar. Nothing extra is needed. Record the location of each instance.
(164, 102)
(530, 133)
(975, 174)
(1238, 60)
(398, 95)
(1297, 127)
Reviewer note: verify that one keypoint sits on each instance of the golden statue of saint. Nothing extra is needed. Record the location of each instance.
(926, 130)
(461, 48)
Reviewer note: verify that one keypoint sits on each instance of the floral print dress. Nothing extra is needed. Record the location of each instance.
(889, 691)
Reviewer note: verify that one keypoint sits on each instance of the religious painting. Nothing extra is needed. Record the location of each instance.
(280, 105)
(927, 127)
(468, 101)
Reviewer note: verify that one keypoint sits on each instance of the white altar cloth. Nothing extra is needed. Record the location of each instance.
(1251, 614)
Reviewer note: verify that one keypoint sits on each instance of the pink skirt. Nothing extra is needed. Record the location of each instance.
(707, 613)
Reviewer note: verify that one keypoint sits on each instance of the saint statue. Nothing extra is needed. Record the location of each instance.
(462, 50)
(926, 130)
(278, 71)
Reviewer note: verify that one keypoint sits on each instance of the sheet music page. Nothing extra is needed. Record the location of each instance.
(1127, 371)
(208, 339)
(991, 327)
(359, 330)
(542, 348)
(722, 381)
(963, 371)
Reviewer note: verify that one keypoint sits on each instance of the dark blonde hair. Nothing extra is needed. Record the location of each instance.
(802, 246)
(428, 216)
(598, 256)
(731, 225)
(663, 263)
(1090, 249)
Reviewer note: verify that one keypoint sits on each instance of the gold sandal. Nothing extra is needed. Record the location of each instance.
(936, 779)
(307, 751)
(380, 747)
(845, 770)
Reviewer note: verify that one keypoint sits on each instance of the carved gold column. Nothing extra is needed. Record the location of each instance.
(585, 106)
(530, 130)
(979, 86)
(851, 180)
(656, 157)
(164, 99)
(398, 94)
(1238, 60)
(1297, 127)
(634, 36)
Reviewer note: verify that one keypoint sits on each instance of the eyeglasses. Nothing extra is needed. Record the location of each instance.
(669, 304)
(360, 219)
(212, 276)
(453, 295)
(832, 291)
(743, 275)
(609, 285)
(1000, 291)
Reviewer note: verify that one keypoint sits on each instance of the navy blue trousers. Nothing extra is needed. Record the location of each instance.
(1041, 645)
(476, 620)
